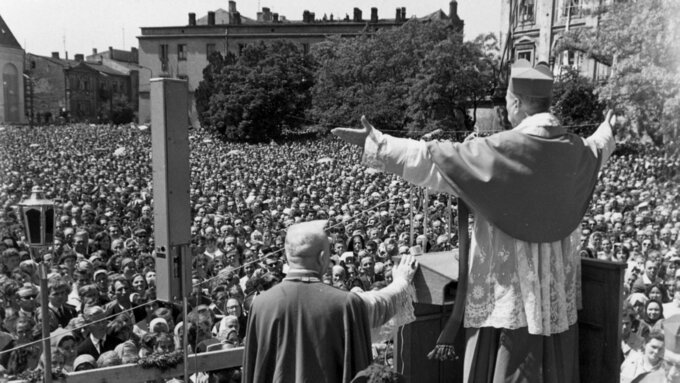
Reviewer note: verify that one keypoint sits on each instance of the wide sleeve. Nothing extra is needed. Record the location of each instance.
(407, 158)
(394, 301)
(602, 142)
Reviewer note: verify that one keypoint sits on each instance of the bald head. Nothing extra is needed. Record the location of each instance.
(307, 246)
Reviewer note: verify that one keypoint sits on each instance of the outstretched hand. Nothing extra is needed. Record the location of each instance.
(355, 136)
(406, 268)
(610, 120)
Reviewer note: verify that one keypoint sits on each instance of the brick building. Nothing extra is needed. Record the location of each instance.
(12, 103)
(182, 51)
(80, 90)
(530, 29)
(122, 61)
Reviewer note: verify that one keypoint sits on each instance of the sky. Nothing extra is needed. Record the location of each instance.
(77, 26)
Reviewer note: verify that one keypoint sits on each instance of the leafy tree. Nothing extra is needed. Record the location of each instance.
(122, 111)
(264, 91)
(575, 101)
(372, 74)
(207, 87)
(639, 39)
(452, 77)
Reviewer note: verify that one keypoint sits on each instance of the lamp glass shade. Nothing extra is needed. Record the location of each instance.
(33, 218)
(49, 225)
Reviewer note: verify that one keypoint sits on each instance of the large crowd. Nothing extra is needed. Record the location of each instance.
(103, 309)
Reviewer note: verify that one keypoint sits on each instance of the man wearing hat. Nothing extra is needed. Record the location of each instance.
(529, 188)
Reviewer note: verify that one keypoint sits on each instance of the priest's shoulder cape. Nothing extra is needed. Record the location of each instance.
(533, 188)
(306, 332)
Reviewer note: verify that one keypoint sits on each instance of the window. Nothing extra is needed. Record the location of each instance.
(525, 55)
(181, 52)
(209, 49)
(526, 10)
(571, 8)
(164, 57)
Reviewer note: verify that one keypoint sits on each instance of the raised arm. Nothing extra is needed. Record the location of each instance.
(404, 157)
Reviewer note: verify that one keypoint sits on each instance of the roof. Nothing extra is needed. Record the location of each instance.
(64, 63)
(7, 39)
(436, 15)
(104, 69)
(222, 17)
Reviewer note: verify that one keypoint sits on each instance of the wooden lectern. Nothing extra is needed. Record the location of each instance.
(435, 283)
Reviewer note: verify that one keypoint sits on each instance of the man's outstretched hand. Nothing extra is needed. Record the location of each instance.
(406, 268)
(355, 136)
(610, 120)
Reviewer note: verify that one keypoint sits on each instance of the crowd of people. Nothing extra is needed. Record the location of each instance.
(103, 309)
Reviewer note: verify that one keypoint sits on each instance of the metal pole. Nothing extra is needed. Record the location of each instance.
(426, 203)
(44, 312)
(185, 340)
(186, 290)
(448, 245)
(410, 215)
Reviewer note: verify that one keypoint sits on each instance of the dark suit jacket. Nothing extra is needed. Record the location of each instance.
(68, 313)
(86, 346)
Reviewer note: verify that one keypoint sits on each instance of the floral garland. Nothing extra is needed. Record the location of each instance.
(36, 376)
(162, 361)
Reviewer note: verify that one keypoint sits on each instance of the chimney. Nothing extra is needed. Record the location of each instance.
(374, 15)
(135, 54)
(357, 14)
(211, 18)
(79, 57)
(275, 17)
(305, 16)
(110, 53)
(232, 6)
(65, 55)
(453, 9)
(397, 16)
(266, 14)
(192, 19)
(94, 51)
(259, 16)
(55, 55)
(403, 13)
(312, 17)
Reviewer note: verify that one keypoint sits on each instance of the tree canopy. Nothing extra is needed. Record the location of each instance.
(255, 96)
(420, 76)
(639, 39)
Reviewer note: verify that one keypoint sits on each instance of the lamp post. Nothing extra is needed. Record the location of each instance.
(37, 214)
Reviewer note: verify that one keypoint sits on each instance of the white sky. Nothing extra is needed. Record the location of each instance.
(77, 26)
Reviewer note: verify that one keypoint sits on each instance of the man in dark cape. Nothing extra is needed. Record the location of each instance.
(303, 330)
(528, 188)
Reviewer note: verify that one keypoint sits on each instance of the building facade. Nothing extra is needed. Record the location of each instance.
(530, 29)
(74, 89)
(182, 51)
(12, 102)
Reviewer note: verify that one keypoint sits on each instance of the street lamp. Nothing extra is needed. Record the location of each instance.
(37, 214)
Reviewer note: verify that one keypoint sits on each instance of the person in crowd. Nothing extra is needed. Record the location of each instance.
(339, 320)
(649, 359)
(58, 290)
(97, 341)
(653, 314)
